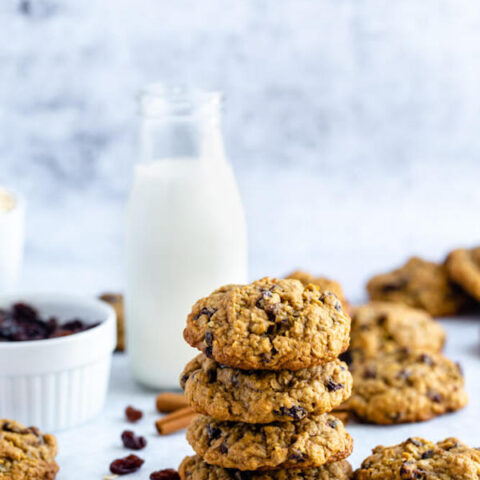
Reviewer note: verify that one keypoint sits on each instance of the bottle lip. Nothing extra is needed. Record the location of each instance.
(160, 100)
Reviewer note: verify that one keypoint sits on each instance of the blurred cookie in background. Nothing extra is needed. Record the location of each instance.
(406, 386)
(115, 300)
(463, 266)
(419, 284)
(383, 327)
(325, 284)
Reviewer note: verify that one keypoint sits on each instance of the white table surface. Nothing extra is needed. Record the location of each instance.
(86, 452)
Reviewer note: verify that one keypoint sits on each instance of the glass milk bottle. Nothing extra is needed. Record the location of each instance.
(185, 232)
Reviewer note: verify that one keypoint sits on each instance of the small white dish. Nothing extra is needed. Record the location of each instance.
(57, 383)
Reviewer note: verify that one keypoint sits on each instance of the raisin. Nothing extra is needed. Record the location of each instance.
(297, 457)
(434, 397)
(332, 386)
(205, 311)
(212, 375)
(263, 295)
(415, 442)
(132, 441)
(22, 323)
(133, 415)
(381, 319)
(209, 352)
(338, 306)
(183, 380)
(369, 373)
(278, 328)
(240, 475)
(424, 358)
(332, 423)
(404, 374)
(213, 432)
(25, 312)
(346, 357)
(166, 474)
(224, 447)
(265, 358)
(427, 454)
(406, 471)
(208, 338)
(394, 285)
(125, 465)
(297, 413)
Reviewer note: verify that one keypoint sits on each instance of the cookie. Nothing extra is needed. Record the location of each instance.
(463, 266)
(264, 396)
(310, 442)
(382, 327)
(195, 468)
(417, 458)
(406, 386)
(115, 300)
(26, 453)
(269, 324)
(324, 284)
(419, 284)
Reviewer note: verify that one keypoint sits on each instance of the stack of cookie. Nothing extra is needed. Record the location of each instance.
(265, 382)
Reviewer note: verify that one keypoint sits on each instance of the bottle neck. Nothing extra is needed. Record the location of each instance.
(180, 123)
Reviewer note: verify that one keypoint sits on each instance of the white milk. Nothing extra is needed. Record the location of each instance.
(185, 237)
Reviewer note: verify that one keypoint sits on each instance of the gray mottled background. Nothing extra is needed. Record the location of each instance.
(353, 125)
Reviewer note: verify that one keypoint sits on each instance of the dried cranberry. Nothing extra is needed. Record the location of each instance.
(132, 441)
(167, 474)
(133, 415)
(125, 465)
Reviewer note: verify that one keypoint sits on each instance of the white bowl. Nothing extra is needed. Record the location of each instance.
(57, 383)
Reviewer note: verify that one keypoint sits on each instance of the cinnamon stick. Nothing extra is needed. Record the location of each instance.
(169, 402)
(175, 421)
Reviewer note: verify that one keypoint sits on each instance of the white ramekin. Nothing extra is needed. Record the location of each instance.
(57, 383)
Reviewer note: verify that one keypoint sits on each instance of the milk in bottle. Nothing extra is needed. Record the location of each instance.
(185, 232)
